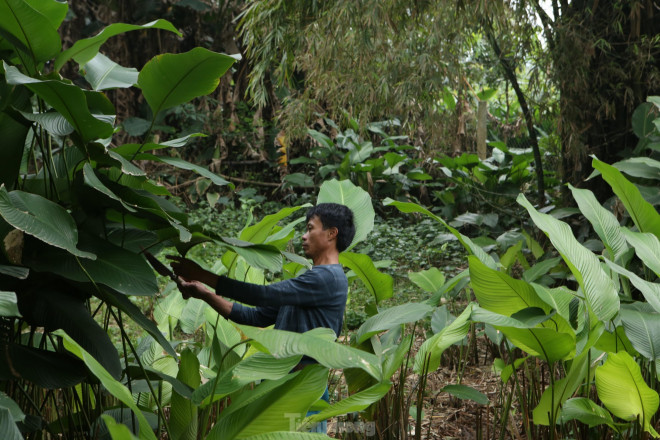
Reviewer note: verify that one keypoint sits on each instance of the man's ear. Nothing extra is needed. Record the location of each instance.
(333, 232)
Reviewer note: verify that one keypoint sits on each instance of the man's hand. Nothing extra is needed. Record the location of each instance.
(194, 289)
(191, 271)
(186, 268)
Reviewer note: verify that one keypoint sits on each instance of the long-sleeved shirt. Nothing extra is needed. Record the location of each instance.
(316, 298)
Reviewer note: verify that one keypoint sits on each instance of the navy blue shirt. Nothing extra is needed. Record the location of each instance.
(316, 298)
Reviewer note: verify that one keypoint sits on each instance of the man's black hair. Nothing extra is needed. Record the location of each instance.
(334, 215)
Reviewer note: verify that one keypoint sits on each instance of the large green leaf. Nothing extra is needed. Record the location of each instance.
(281, 343)
(643, 330)
(379, 284)
(14, 271)
(168, 80)
(479, 314)
(93, 181)
(41, 218)
(539, 269)
(14, 410)
(69, 100)
(603, 221)
(651, 291)
(115, 267)
(53, 122)
(150, 204)
(117, 431)
(8, 304)
(586, 411)
(556, 394)
(53, 309)
(560, 299)
(277, 409)
(8, 428)
(544, 343)
(47, 369)
(358, 200)
(182, 164)
(465, 392)
(430, 280)
(643, 167)
(183, 413)
(136, 372)
(261, 256)
(598, 287)
(353, 403)
(129, 150)
(428, 357)
(259, 232)
(113, 386)
(30, 30)
(254, 368)
(387, 319)
(647, 248)
(644, 215)
(13, 140)
(622, 390)
(84, 50)
(470, 246)
(103, 74)
(193, 315)
(498, 292)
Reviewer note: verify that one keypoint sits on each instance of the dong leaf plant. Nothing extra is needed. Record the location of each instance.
(596, 330)
(75, 210)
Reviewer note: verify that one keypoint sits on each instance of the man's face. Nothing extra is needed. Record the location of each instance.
(316, 240)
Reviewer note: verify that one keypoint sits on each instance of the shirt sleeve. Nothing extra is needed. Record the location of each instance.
(254, 316)
(313, 288)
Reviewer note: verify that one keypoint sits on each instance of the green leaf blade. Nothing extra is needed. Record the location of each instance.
(622, 390)
(42, 219)
(172, 79)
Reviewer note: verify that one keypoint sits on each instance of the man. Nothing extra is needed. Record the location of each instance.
(316, 298)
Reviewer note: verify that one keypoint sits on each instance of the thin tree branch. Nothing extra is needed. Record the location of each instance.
(510, 74)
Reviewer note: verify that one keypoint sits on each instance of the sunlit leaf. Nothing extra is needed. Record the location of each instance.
(622, 390)
(598, 287)
(271, 406)
(603, 221)
(556, 394)
(643, 214)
